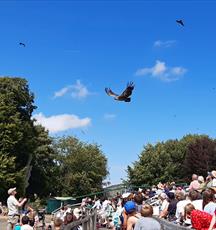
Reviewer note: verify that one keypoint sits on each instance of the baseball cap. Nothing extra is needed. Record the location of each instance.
(11, 190)
(130, 207)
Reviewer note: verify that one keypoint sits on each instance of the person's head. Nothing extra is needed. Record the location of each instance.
(130, 207)
(187, 211)
(69, 217)
(208, 196)
(12, 191)
(58, 222)
(201, 179)
(31, 222)
(138, 199)
(147, 210)
(180, 195)
(25, 220)
(194, 177)
(193, 195)
(171, 196)
(213, 173)
(163, 196)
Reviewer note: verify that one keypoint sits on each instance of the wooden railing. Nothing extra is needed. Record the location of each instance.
(87, 223)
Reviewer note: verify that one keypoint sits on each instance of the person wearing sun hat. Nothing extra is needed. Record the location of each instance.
(13, 204)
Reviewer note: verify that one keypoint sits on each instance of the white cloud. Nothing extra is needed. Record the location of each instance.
(62, 91)
(162, 72)
(62, 122)
(164, 44)
(77, 90)
(109, 116)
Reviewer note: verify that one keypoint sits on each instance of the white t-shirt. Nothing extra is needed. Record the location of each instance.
(214, 182)
(26, 227)
(198, 204)
(12, 204)
(210, 208)
(164, 205)
(180, 208)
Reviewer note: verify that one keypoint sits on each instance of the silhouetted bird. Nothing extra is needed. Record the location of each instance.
(180, 22)
(125, 96)
(22, 44)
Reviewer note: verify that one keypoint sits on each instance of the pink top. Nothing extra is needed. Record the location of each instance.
(194, 185)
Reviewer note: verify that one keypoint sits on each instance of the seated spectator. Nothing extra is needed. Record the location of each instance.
(194, 185)
(209, 204)
(171, 210)
(214, 178)
(25, 223)
(194, 197)
(202, 183)
(164, 205)
(182, 202)
(139, 201)
(132, 214)
(57, 223)
(200, 220)
(146, 221)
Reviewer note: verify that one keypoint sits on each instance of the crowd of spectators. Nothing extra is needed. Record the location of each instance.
(192, 207)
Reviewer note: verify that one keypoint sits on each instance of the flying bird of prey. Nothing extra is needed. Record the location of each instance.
(22, 44)
(125, 96)
(180, 22)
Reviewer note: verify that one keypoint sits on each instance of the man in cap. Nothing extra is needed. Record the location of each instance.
(132, 214)
(13, 204)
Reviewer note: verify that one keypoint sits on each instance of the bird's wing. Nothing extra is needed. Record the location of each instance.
(128, 91)
(110, 92)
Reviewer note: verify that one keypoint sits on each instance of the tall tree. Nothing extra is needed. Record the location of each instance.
(43, 172)
(173, 160)
(83, 166)
(16, 126)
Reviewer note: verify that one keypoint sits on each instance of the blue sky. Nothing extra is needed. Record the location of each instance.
(76, 49)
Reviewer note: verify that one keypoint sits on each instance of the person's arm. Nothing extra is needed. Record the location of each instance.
(19, 204)
(211, 227)
(130, 224)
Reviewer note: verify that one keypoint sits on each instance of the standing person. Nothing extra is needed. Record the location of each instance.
(132, 214)
(13, 205)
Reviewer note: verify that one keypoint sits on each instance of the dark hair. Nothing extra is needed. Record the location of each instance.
(193, 195)
(171, 195)
(138, 199)
(208, 196)
(25, 220)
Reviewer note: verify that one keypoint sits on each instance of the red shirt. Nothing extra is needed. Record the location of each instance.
(200, 220)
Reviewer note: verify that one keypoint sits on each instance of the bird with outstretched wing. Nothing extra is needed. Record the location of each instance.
(125, 96)
(22, 44)
(180, 22)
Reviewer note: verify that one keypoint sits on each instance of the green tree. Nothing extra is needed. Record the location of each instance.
(83, 167)
(16, 126)
(173, 160)
(43, 172)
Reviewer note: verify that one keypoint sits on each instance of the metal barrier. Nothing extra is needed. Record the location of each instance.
(166, 225)
(87, 223)
(72, 206)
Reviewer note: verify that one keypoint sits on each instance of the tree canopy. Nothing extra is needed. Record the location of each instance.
(33, 161)
(83, 166)
(173, 160)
